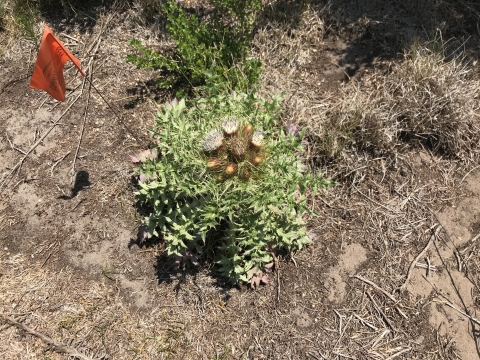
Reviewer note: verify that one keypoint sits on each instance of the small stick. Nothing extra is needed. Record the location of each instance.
(401, 312)
(463, 313)
(375, 286)
(375, 202)
(277, 265)
(70, 351)
(398, 353)
(450, 304)
(378, 339)
(403, 287)
(71, 38)
(13, 147)
(459, 261)
(475, 238)
(381, 312)
(468, 173)
(343, 332)
(316, 357)
(365, 322)
(73, 208)
(58, 161)
(72, 171)
(340, 325)
(428, 265)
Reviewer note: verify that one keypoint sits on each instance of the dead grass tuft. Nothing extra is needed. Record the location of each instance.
(423, 101)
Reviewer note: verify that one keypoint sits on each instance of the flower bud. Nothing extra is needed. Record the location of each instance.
(247, 131)
(214, 163)
(231, 169)
(245, 174)
(256, 160)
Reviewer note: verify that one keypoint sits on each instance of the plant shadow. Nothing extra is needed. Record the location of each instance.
(143, 91)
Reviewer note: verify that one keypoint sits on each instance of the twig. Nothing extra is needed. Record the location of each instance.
(277, 265)
(72, 171)
(34, 146)
(403, 287)
(89, 72)
(398, 353)
(475, 238)
(376, 287)
(70, 351)
(459, 260)
(48, 257)
(135, 137)
(468, 173)
(365, 322)
(450, 304)
(71, 38)
(387, 320)
(58, 161)
(73, 208)
(343, 332)
(316, 357)
(428, 266)
(340, 319)
(380, 337)
(375, 202)
(13, 146)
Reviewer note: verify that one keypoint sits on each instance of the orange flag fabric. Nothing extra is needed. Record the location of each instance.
(48, 73)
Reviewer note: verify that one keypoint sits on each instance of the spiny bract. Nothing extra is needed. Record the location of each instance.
(230, 126)
(213, 141)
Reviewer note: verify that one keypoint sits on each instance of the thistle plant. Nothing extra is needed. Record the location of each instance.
(226, 184)
(237, 154)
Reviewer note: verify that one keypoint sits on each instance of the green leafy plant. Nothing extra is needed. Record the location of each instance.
(216, 48)
(225, 182)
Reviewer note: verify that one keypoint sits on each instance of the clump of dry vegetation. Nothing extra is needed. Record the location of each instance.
(424, 100)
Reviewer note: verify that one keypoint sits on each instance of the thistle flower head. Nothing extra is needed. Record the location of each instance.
(213, 141)
(245, 174)
(256, 160)
(231, 169)
(238, 147)
(214, 163)
(230, 126)
(257, 139)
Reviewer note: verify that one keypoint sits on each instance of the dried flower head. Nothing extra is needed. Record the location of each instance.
(257, 139)
(213, 141)
(238, 147)
(230, 126)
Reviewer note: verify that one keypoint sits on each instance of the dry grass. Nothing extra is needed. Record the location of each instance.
(79, 314)
(423, 100)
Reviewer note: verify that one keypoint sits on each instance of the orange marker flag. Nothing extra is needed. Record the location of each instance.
(48, 73)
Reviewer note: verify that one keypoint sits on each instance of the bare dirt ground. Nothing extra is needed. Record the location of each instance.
(71, 267)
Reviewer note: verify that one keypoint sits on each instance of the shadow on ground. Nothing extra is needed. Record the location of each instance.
(386, 28)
